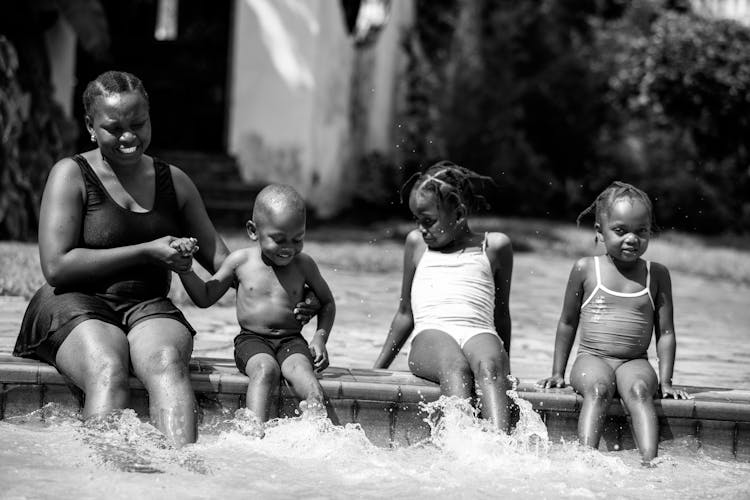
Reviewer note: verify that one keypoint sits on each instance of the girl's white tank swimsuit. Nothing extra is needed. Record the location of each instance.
(454, 293)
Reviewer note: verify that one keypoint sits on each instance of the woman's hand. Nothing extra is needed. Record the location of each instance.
(163, 252)
(186, 246)
(307, 308)
(553, 382)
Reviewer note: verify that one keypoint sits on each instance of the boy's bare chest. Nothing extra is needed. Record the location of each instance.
(277, 283)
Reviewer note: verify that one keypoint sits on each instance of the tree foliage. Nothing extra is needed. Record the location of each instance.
(555, 99)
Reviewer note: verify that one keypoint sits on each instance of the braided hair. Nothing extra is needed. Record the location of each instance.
(618, 190)
(452, 185)
(108, 83)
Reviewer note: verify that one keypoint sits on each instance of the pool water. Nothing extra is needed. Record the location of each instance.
(50, 454)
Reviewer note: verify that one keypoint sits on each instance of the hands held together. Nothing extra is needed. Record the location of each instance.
(175, 253)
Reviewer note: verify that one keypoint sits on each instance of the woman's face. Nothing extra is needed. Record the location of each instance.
(121, 125)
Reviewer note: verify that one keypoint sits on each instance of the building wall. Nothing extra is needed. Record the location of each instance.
(289, 96)
(737, 10)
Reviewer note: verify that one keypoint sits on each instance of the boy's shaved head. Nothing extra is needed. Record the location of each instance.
(278, 198)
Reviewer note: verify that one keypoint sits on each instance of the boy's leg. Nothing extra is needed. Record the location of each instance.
(298, 370)
(264, 374)
(490, 365)
(637, 384)
(594, 379)
(436, 356)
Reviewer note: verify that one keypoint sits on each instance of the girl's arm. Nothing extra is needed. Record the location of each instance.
(567, 325)
(63, 262)
(206, 293)
(666, 343)
(500, 252)
(195, 222)
(403, 321)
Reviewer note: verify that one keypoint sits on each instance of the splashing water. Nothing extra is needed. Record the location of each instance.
(308, 456)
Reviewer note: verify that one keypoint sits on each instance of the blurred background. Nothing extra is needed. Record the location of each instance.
(345, 99)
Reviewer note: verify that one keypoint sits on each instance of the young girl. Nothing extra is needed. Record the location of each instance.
(618, 299)
(454, 294)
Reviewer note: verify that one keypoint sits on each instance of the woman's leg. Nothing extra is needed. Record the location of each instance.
(265, 375)
(95, 357)
(637, 384)
(594, 379)
(436, 356)
(490, 365)
(160, 350)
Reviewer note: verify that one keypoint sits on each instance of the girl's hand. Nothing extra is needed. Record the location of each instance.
(553, 382)
(319, 353)
(667, 391)
(307, 308)
(163, 252)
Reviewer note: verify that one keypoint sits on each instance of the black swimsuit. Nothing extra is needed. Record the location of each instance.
(123, 298)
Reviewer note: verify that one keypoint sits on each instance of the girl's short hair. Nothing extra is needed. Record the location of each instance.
(108, 83)
(452, 184)
(618, 190)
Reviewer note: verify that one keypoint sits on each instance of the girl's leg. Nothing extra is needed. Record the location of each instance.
(436, 356)
(594, 379)
(265, 375)
(160, 350)
(490, 365)
(637, 384)
(95, 357)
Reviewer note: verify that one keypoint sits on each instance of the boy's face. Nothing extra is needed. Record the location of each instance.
(280, 236)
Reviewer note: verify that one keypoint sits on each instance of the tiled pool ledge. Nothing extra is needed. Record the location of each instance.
(386, 404)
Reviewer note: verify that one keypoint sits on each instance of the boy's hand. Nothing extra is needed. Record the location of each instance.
(186, 246)
(319, 353)
(553, 382)
(667, 391)
(307, 308)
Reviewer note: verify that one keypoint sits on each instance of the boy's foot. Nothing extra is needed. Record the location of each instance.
(312, 408)
(248, 423)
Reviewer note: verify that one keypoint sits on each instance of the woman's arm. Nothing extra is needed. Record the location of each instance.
(666, 343)
(500, 253)
(63, 262)
(567, 325)
(195, 222)
(403, 321)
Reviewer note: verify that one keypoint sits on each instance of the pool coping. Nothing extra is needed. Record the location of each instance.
(220, 376)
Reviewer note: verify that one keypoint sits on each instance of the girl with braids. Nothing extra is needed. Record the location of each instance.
(108, 223)
(618, 300)
(454, 294)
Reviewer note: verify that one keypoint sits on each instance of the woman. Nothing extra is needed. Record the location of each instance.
(107, 219)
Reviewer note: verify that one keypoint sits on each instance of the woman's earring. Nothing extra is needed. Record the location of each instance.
(93, 138)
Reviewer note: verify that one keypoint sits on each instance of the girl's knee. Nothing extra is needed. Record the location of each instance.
(640, 391)
(491, 370)
(599, 391)
(458, 369)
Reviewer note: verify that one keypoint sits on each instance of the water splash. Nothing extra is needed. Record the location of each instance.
(456, 429)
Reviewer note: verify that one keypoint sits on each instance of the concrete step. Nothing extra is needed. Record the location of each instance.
(228, 199)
